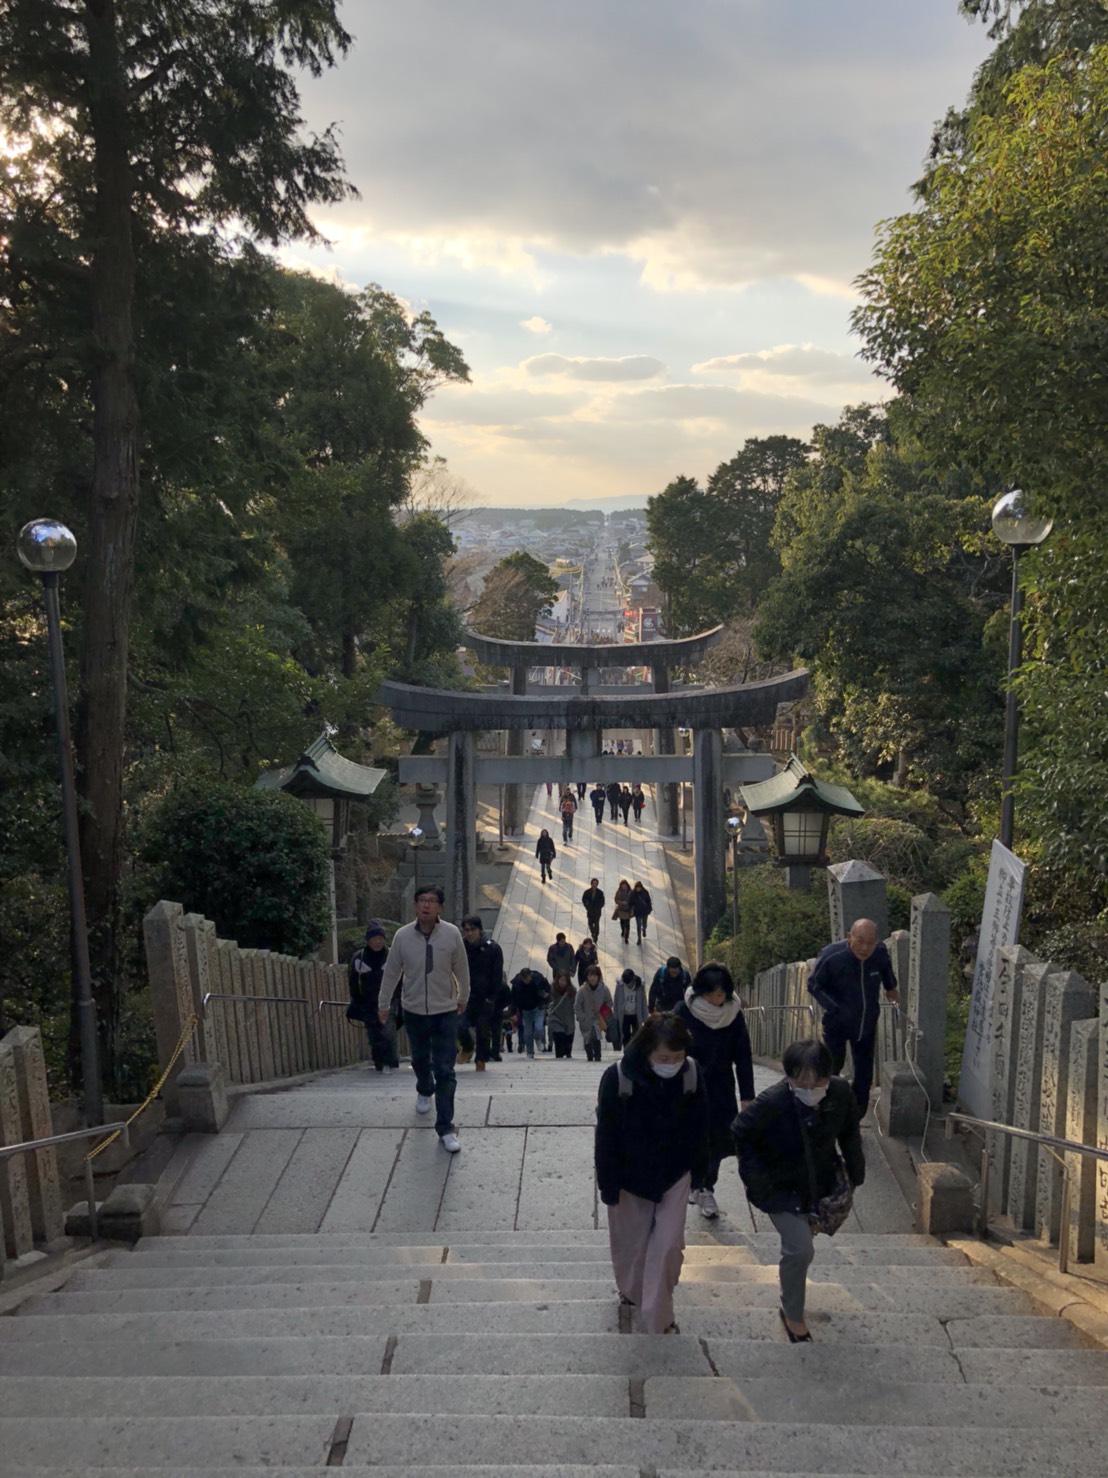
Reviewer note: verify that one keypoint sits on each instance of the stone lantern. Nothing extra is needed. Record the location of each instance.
(800, 808)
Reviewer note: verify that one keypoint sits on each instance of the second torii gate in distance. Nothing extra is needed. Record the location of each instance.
(461, 716)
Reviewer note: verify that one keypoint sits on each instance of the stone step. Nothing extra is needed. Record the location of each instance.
(842, 1401)
(842, 1295)
(141, 1275)
(554, 1236)
(322, 1253)
(383, 1440)
(588, 1316)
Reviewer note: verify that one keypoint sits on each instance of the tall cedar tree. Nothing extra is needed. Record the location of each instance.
(138, 119)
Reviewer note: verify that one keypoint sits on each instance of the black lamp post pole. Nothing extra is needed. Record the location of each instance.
(83, 1002)
(1011, 708)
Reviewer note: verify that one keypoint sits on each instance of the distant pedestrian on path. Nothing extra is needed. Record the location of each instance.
(613, 793)
(638, 801)
(486, 983)
(847, 982)
(560, 955)
(625, 803)
(789, 1141)
(630, 1005)
(598, 796)
(713, 1014)
(546, 853)
(549, 789)
(642, 906)
(568, 809)
(582, 786)
(651, 1133)
(623, 911)
(429, 956)
(366, 970)
(667, 989)
(560, 1015)
(592, 900)
(592, 1007)
(530, 993)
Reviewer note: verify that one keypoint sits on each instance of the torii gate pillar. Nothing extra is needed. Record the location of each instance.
(461, 825)
(710, 862)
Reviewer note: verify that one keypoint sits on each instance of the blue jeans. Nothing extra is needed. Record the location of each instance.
(533, 1023)
(434, 1044)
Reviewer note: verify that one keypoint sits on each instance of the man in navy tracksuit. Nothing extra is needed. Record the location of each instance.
(847, 982)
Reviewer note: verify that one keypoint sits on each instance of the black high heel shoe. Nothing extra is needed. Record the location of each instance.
(794, 1339)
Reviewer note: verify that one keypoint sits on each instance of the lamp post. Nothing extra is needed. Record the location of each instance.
(734, 827)
(1020, 529)
(47, 548)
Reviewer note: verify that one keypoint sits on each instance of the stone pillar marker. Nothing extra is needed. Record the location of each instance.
(43, 1185)
(1023, 1175)
(461, 834)
(1102, 1133)
(1012, 960)
(1081, 1096)
(1068, 1001)
(15, 1211)
(709, 860)
(927, 989)
(855, 891)
(170, 989)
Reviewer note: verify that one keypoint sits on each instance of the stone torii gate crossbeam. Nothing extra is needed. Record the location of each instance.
(462, 715)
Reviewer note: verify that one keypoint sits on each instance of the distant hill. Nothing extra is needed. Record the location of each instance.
(617, 503)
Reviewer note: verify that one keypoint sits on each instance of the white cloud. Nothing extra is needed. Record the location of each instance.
(630, 367)
(536, 325)
(798, 369)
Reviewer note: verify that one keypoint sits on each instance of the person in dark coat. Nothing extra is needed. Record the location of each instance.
(642, 906)
(546, 853)
(561, 955)
(625, 804)
(789, 1142)
(651, 1135)
(484, 1008)
(366, 969)
(585, 958)
(638, 801)
(598, 795)
(614, 793)
(721, 1045)
(847, 982)
(592, 900)
(622, 910)
(668, 987)
(530, 993)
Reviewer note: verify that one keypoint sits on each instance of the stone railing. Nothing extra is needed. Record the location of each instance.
(259, 1014)
(1050, 1076)
(31, 1215)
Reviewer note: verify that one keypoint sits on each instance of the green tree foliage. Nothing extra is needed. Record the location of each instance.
(880, 595)
(257, 863)
(988, 308)
(713, 554)
(777, 924)
(518, 590)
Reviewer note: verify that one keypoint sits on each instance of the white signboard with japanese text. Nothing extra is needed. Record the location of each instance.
(1000, 925)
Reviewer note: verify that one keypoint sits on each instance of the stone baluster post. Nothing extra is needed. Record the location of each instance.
(171, 990)
(1068, 1000)
(1012, 962)
(1081, 1096)
(855, 891)
(1102, 1134)
(1023, 1174)
(15, 1209)
(43, 1185)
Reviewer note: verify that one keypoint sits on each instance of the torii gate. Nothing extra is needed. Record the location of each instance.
(584, 716)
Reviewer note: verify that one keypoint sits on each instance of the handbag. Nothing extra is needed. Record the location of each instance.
(828, 1212)
(613, 1031)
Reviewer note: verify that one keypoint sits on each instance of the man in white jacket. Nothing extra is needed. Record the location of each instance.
(430, 955)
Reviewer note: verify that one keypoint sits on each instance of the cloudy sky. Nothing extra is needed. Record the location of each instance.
(639, 219)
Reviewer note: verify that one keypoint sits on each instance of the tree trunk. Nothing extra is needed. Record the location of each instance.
(112, 518)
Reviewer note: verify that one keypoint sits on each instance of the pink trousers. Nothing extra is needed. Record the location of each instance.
(648, 1248)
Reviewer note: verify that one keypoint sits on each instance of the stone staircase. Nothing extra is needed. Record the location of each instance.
(505, 1353)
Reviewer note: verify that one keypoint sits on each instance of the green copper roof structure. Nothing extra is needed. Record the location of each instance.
(322, 771)
(794, 787)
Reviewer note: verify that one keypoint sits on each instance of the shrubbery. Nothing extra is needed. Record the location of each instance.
(776, 924)
(254, 862)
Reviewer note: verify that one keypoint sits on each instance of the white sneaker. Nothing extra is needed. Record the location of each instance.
(451, 1143)
(423, 1103)
(386, 1071)
(694, 1198)
(708, 1207)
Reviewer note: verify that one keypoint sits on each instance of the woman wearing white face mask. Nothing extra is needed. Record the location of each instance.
(651, 1137)
(795, 1141)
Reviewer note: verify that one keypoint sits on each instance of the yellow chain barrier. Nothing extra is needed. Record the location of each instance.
(193, 1021)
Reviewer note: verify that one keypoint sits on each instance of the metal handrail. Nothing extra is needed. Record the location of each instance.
(217, 995)
(29, 1147)
(1052, 1144)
